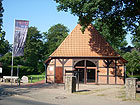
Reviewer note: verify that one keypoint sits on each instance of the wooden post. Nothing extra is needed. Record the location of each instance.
(85, 72)
(97, 75)
(107, 74)
(115, 71)
(46, 72)
(124, 73)
(78, 79)
(63, 69)
(107, 62)
(54, 69)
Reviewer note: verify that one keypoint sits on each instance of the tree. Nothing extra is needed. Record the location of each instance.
(136, 38)
(1, 15)
(55, 35)
(116, 39)
(6, 65)
(33, 51)
(4, 45)
(90, 10)
(113, 13)
(133, 64)
(32, 61)
(6, 61)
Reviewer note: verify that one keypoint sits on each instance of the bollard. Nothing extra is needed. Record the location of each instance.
(19, 82)
(31, 79)
(70, 84)
(130, 88)
(38, 77)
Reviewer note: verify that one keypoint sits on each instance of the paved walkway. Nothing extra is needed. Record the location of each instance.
(55, 94)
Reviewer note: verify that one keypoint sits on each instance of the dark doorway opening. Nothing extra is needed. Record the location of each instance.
(81, 75)
(90, 75)
(86, 71)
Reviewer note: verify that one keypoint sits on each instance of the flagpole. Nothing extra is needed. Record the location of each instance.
(12, 67)
(12, 55)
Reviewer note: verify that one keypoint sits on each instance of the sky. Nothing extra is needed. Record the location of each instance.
(41, 13)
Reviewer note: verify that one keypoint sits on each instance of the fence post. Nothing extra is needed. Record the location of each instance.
(31, 79)
(70, 84)
(38, 77)
(130, 88)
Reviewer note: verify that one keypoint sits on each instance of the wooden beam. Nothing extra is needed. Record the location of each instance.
(84, 67)
(106, 67)
(65, 61)
(97, 72)
(54, 69)
(91, 67)
(85, 73)
(108, 62)
(107, 75)
(60, 61)
(46, 72)
(63, 68)
(115, 71)
(79, 67)
(124, 72)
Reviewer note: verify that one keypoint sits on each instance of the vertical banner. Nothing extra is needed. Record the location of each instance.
(20, 34)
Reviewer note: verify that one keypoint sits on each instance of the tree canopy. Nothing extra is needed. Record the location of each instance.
(114, 38)
(113, 19)
(133, 59)
(55, 35)
(125, 12)
(33, 51)
(38, 47)
(1, 15)
(4, 44)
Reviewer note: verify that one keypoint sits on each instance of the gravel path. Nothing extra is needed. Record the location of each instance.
(87, 94)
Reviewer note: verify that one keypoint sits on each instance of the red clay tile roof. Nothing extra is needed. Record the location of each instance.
(89, 44)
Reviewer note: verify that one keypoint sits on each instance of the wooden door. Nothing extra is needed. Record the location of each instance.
(59, 75)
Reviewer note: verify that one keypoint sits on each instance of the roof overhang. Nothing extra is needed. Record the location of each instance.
(86, 57)
(89, 57)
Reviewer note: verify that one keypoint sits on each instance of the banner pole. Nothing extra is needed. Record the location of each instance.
(12, 67)
(12, 55)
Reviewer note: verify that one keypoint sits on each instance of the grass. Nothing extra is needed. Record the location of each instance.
(101, 95)
(138, 97)
(135, 76)
(123, 95)
(35, 78)
(91, 91)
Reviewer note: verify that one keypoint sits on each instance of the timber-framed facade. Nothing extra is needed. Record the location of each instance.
(90, 55)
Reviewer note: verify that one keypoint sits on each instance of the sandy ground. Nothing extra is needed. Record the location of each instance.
(55, 94)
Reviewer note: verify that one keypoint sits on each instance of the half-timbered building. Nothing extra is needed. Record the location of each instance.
(89, 54)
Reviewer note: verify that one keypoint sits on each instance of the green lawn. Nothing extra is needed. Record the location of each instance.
(35, 78)
(135, 76)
